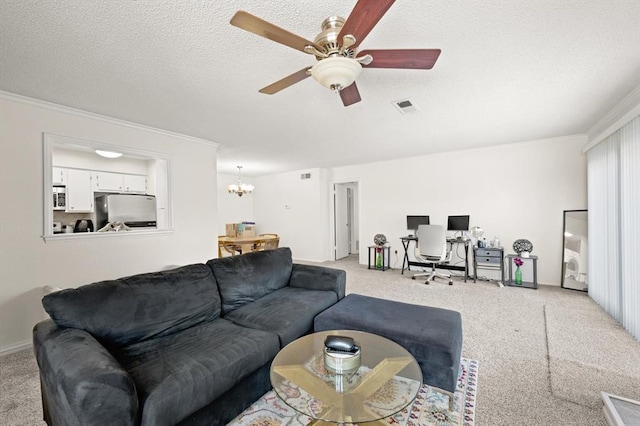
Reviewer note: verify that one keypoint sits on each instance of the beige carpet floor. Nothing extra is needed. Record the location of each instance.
(545, 354)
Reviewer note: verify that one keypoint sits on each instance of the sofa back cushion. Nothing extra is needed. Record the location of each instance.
(132, 309)
(243, 279)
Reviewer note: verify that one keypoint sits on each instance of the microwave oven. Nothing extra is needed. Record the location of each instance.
(59, 198)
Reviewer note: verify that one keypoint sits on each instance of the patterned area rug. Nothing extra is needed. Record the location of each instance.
(430, 407)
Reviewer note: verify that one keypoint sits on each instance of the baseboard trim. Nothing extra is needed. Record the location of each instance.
(16, 347)
(298, 259)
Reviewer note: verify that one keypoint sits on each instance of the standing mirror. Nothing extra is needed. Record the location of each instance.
(575, 252)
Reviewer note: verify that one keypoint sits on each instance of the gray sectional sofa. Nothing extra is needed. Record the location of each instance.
(192, 345)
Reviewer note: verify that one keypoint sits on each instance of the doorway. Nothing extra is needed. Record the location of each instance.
(346, 219)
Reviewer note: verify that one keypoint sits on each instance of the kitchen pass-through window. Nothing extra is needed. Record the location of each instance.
(100, 189)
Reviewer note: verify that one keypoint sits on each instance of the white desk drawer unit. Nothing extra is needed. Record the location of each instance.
(488, 258)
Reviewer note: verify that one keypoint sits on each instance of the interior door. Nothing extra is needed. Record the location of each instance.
(350, 216)
(341, 222)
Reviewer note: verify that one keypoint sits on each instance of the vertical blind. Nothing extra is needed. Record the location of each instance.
(614, 225)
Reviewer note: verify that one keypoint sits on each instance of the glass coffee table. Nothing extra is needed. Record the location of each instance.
(387, 380)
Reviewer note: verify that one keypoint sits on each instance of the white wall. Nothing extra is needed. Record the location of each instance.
(27, 263)
(231, 208)
(296, 209)
(511, 191)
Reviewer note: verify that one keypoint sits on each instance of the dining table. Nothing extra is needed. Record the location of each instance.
(244, 244)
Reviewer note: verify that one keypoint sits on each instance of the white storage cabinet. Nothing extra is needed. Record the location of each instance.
(79, 191)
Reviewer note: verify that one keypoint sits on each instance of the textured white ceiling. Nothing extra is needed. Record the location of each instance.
(509, 71)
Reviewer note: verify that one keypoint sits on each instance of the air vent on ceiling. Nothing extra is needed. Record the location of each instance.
(405, 106)
(305, 176)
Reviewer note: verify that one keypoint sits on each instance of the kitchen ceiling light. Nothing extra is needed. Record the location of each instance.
(108, 154)
(240, 188)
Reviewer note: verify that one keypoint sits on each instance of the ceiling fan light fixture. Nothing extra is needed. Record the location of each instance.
(336, 72)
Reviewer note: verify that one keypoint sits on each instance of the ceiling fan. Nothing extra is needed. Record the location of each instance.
(336, 49)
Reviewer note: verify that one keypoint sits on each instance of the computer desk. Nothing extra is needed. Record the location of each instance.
(406, 241)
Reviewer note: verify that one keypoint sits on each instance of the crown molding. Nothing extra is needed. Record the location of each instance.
(621, 114)
(91, 115)
(554, 140)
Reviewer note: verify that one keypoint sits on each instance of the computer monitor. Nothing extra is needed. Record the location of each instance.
(414, 221)
(458, 223)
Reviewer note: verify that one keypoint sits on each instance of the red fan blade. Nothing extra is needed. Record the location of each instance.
(258, 26)
(350, 95)
(364, 16)
(421, 59)
(289, 80)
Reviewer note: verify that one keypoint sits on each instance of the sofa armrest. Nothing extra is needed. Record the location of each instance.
(81, 382)
(319, 278)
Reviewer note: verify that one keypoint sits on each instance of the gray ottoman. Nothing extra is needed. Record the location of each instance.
(432, 335)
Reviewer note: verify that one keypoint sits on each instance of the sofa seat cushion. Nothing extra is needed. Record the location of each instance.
(288, 312)
(243, 279)
(144, 306)
(179, 374)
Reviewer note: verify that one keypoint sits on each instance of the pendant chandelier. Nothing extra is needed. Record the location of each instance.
(240, 188)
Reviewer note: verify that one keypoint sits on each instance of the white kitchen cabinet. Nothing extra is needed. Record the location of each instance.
(109, 182)
(59, 176)
(135, 183)
(119, 182)
(79, 191)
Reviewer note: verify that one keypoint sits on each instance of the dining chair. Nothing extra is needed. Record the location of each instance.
(270, 244)
(230, 247)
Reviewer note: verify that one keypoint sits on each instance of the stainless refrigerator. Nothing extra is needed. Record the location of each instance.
(136, 211)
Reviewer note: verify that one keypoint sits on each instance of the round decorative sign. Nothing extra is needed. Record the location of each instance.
(380, 240)
(522, 245)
